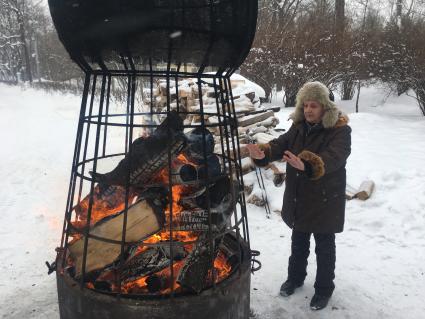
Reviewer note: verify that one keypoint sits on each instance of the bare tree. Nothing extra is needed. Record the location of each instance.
(14, 11)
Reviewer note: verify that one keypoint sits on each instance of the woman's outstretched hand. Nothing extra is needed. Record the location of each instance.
(293, 160)
(255, 152)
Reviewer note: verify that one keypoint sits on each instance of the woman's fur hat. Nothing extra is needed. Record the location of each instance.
(316, 91)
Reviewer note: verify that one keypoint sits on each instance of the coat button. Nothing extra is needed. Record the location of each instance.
(295, 199)
(298, 174)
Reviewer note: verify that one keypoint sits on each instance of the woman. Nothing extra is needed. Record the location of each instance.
(316, 148)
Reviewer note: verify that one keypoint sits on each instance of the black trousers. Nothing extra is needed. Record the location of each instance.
(325, 258)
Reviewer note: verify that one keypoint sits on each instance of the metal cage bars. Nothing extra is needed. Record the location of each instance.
(104, 119)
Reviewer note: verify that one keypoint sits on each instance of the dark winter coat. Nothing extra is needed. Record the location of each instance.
(314, 203)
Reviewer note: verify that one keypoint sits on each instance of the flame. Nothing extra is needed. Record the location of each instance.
(102, 209)
(103, 205)
(222, 267)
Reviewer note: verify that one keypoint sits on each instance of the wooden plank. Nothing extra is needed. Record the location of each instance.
(263, 138)
(142, 222)
(252, 119)
(365, 190)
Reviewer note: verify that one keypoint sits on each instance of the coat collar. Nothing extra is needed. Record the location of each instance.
(342, 121)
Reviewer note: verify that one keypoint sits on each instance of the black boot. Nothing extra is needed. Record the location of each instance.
(319, 302)
(288, 288)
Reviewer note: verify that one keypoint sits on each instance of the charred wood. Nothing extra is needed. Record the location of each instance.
(198, 265)
(149, 155)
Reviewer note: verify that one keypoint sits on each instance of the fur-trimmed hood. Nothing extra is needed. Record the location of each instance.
(317, 91)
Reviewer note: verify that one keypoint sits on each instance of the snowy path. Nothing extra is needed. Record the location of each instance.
(380, 256)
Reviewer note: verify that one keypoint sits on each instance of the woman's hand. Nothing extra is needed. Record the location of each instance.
(293, 160)
(255, 152)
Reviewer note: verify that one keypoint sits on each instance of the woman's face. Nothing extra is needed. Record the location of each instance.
(313, 111)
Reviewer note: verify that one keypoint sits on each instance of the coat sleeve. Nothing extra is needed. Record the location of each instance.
(274, 150)
(333, 157)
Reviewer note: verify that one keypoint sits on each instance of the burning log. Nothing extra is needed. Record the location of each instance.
(107, 200)
(214, 168)
(150, 261)
(195, 139)
(149, 155)
(184, 173)
(196, 217)
(156, 283)
(195, 271)
(139, 264)
(231, 249)
(144, 218)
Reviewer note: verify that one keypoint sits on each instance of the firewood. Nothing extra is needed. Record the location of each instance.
(365, 190)
(185, 92)
(258, 129)
(256, 200)
(249, 95)
(243, 152)
(220, 196)
(144, 218)
(107, 200)
(235, 83)
(279, 179)
(195, 271)
(268, 123)
(350, 192)
(248, 189)
(247, 165)
(242, 104)
(262, 110)
(252, 119)
(149, 155)
(199, 217)
(263, 138)
(139, 263)
(156, 283)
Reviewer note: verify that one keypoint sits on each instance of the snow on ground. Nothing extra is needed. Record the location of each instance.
(380, 255)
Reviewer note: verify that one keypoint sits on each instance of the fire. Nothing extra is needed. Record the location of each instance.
(222, 267)
(106, 201)
(114, 203)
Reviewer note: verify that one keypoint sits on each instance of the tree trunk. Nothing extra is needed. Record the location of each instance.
(399, 6)
(339, 22)
(20, 19)
(290, 98)
(420, 95)
(358, 96)
(348, 88)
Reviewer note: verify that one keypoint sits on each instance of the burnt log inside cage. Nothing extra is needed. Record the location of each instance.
(137, 265)
(202, 32)
(143, 218)
(149, 155)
